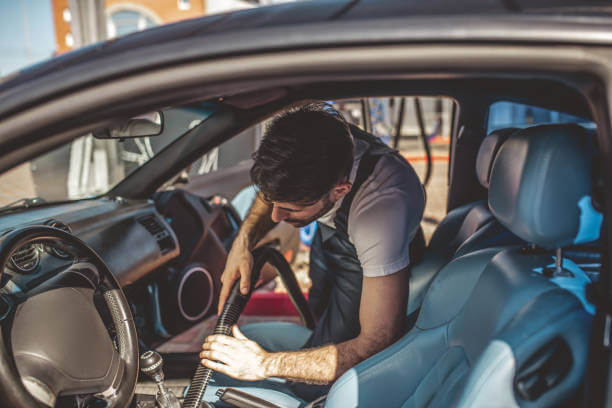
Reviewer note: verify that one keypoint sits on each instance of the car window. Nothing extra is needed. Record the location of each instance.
(233, 155)
(230, 153)
(88, 167)
(383, 115)
(437, 118)
(506, 114)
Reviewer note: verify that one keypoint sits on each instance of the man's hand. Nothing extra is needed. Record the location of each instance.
(236, 356)
(238, 265)
(239, 260)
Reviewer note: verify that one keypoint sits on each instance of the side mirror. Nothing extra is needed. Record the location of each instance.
(151, 124)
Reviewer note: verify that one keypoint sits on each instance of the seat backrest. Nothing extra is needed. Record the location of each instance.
(500, 326)
(465, 229)
(462, 222)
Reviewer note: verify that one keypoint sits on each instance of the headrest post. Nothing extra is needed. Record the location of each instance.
(557, 270)
(559, 261)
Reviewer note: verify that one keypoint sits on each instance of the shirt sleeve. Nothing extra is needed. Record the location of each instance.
(383, 220)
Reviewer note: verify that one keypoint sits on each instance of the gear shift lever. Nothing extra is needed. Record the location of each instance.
(151, 364)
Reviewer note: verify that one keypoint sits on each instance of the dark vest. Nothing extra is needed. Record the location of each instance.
(335, 270)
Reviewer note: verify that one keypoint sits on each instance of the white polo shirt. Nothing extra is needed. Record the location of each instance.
(385, 214)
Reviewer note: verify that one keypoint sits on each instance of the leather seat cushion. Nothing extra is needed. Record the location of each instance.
(277, 336)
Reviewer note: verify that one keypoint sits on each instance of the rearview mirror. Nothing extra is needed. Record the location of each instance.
(150, 124)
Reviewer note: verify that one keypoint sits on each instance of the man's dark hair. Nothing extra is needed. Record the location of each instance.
(303, 154)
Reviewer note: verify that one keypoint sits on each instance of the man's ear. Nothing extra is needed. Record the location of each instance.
(340, 190)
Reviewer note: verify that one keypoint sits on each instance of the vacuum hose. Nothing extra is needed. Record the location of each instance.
(234, 306)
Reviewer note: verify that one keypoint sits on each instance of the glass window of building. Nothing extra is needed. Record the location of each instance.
(124, 22)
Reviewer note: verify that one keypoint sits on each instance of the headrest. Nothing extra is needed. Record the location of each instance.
(540, 186)
(487, 152)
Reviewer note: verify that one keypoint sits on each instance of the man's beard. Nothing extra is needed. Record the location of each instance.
(298, 223)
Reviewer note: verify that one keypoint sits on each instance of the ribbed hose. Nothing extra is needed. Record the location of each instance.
(229, 316)
(294, 291)
(236, 303)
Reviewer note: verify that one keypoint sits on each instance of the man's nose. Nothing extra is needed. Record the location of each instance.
(278, 215)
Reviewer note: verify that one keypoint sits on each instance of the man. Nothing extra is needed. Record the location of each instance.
(368, 202)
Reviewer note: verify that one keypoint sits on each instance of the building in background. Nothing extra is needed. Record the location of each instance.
(128, 16)
(62, 17)
(123, 17)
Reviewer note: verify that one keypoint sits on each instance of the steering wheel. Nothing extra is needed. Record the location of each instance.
(71, 334)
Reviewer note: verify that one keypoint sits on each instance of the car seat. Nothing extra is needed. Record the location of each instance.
(465, 229)
(504, 326)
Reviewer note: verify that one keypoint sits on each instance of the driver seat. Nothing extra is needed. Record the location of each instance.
(464, 229)
(501, 326)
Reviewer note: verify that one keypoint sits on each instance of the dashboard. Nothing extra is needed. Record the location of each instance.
(110, 227)
(167, 253)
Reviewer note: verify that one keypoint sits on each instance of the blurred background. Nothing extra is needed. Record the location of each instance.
(35, 30)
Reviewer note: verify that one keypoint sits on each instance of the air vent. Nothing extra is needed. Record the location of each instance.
(26, 258)
(162, 236)
(152, 225)
(59, 225)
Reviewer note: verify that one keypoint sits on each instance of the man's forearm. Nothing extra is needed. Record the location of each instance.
(382, 319)
(257, 224)
(321, 365)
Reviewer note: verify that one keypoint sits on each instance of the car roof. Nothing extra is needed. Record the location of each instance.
(295, 14)
(321, 23)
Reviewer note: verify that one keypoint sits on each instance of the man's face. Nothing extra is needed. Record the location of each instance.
(300, 215)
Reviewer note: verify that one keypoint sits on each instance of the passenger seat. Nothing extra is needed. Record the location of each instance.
(506, 326)
(465, 229)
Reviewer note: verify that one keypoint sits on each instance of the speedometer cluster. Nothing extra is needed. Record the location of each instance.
(26, 259)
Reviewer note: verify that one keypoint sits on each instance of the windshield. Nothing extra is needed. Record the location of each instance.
(88, 167)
